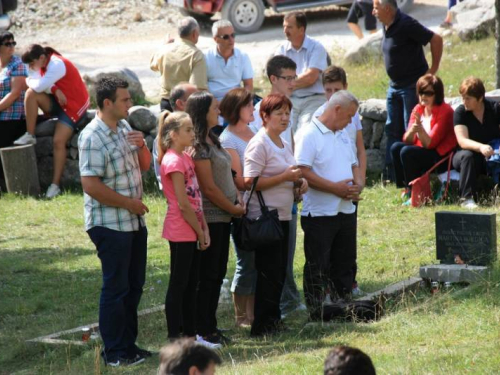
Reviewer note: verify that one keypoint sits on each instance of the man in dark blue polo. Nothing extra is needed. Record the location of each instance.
(405, 63)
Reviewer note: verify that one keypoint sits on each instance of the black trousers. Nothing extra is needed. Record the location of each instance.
(470, 164)
(270, 262)
(212, 271)
(411, 162)
(180, 301)
(330, 251)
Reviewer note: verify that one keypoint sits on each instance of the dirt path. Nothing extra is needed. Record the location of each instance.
(92, 47)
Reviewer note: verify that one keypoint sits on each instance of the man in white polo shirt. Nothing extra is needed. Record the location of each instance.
(311, 59)
(324, 154)
(227, 66)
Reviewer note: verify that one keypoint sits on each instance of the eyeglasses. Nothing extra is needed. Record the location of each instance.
(426, 93)
(288, 78)
(226, 36)
(9, 44)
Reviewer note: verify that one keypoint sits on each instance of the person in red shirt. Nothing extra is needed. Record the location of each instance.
(55, 86)
(430, 136)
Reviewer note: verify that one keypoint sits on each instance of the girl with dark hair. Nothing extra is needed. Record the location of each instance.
(56, 87)
(429, 137)
(184, 227)
(237, 109)
(12, 90)
(220, 204)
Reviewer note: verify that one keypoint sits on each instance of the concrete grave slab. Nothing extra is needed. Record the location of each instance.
(454, 273)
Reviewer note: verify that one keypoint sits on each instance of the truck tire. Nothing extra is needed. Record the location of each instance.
(9, 5)
(405, 5)
(246, 16)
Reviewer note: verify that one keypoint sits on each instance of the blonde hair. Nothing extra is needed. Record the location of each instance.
(168, 123)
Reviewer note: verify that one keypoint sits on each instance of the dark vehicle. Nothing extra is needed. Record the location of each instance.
(6, 6)
(247, 16)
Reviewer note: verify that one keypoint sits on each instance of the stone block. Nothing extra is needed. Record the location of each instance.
(44, 146)
(46, 128)
(374, 109)
(367, 125)
(454, 273)
(375, 160)
(141, 118)
(378, 132)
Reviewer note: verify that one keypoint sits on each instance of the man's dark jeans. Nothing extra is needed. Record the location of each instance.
(123, 259)
(400, 104)
(330, 250)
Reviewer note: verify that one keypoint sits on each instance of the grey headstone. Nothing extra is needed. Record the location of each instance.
(470, 236)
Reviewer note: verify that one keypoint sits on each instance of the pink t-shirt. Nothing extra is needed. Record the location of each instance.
(264, 158)
(175, 228)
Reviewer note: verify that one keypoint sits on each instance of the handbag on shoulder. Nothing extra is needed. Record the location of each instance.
(250, 234)
(421, 187)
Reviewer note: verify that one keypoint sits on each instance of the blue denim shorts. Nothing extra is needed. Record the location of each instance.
(57, 111)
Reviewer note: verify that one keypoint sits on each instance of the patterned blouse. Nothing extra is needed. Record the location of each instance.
(15, 68)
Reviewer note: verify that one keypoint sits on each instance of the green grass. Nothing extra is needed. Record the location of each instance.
(50, 281)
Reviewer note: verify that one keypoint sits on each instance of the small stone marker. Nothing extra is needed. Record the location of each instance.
(466, 238)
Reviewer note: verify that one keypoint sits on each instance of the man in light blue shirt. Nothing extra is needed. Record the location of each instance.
(227, 66)
(311, 59)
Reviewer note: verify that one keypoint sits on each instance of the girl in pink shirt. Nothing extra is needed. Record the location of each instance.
(184, 227)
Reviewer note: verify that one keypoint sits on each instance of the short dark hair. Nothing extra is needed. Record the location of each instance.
(300, 18)
(178, 357)
(434, 82)
(472, 86)
(6, 35)
(34, 51)
(276, 64)
(231, 104)
(106, 88)
(177, 92)
(334, 74)
(272, 102)
(344, 360)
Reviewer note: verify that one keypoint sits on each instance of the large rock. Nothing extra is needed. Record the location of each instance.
(46, 128)
(71, 174)
(378, 132)
(375, 161)
(374, 109)
(141, 118)
(475, 19)
(44, 146)
(128, 75)
(367, 131)
(365, 49)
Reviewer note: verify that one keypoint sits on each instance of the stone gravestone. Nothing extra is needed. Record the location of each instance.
(466, 238)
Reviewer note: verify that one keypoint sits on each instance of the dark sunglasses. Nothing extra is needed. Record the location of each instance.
(426, 93)
(227, 36)
(289, 78)
(9, 44)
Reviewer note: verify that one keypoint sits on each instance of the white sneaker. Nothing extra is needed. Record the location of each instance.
(212, 345)
(25, 139)
(52, 191)
(469, 204)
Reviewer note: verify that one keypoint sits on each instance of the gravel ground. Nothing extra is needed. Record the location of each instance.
(98, 33)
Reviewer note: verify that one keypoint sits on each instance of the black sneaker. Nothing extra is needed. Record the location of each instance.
(144, 353)
(221, 338)
(126, 361)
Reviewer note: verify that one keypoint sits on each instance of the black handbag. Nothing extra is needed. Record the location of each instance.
(250, 234)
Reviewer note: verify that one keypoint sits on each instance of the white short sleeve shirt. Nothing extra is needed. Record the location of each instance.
(329, 154)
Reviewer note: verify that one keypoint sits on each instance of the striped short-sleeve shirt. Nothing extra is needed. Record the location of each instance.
(107, 154)
(15, 68)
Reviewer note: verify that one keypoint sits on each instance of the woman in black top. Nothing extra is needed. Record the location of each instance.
(477, 123)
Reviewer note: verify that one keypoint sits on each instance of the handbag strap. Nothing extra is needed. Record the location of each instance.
(450, 157)
(254, 185)
(262, 203)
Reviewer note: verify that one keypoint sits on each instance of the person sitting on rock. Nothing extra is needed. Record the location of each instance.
(477, 123)
(55, 86)
(429, 137)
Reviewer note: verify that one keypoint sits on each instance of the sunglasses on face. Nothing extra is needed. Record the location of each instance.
(426, 93)
(9, 44)
(289, 78)
(226, 36)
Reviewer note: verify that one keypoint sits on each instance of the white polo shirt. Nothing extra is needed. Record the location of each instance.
(329, 154)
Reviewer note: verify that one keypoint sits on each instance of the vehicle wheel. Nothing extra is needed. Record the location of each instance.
(246, 16)
(405, 5)
(9, 5)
